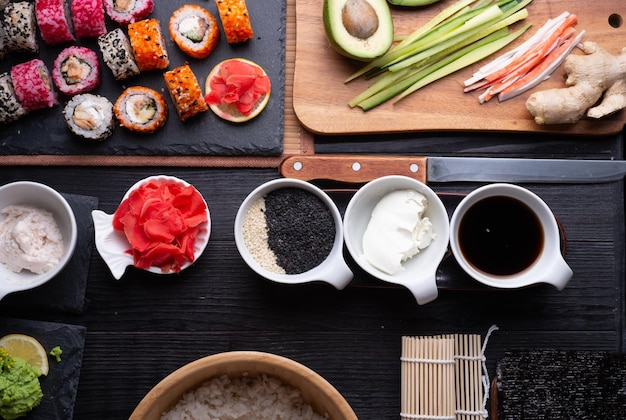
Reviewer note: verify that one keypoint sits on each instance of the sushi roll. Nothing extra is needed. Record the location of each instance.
(88, 18)
(20, 27)
(128, 11)
(3, 44)
(194, 30)
(54, 20)
(90, 116)
(10, 108)
(148, 44)
(118, 54)
(33, 85)
(141, 109)
(185, 92)
(235, 20)
(76, 70)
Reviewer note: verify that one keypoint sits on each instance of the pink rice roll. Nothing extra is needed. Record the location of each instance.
(20, 27)
(76, 70)
(54, 20)
(33, 85)
(128, 11)
(89, 18)
(10, 108)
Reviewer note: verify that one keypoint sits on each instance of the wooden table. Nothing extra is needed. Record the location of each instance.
(143, 327)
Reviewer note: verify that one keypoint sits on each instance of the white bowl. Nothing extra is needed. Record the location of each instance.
(315, 390)
(112, 245)
(420, 270)
(332, 270)
(42, 196)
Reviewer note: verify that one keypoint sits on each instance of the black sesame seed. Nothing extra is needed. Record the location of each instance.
(301, 229)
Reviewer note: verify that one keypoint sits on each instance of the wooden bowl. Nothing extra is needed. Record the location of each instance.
(315, 390)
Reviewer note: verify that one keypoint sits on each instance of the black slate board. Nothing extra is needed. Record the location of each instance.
(65, 292)
(44, 132)
(59, 387)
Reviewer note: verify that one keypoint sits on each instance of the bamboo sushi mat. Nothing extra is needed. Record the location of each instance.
(296, 139)
(443, 377)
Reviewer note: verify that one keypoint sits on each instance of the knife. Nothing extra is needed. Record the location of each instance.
(364, 168)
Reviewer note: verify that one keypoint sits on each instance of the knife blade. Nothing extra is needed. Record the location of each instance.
(364, 168)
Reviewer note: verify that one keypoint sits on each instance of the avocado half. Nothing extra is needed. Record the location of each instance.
(359, 29)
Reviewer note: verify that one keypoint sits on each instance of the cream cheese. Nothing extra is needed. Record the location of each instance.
(397, 230)
(29, 239)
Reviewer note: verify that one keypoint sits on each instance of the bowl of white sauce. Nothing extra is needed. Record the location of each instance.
(397, 230)
(37, 235)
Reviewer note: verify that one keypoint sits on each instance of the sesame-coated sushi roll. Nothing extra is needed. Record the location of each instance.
(148, 44)
(54, 20)
(76, 70)
(88, 18)
(128, 11)
(185, 91)
(90, 116)
(235, 20)
(4, 50)
(33, 85)
(20, 27)
(195, 30)
(141, 109)
(117, 54)
(10, 108)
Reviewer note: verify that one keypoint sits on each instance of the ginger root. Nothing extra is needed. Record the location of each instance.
(589, 76)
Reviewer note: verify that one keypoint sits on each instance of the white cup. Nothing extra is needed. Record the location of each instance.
(506, 244)
(333, 270)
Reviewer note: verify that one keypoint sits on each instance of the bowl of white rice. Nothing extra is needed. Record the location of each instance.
(243, 385)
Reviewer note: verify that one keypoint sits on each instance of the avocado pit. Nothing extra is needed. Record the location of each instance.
(359, 18)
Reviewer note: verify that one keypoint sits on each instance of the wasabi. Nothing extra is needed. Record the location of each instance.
(56, 353)
(20, 390)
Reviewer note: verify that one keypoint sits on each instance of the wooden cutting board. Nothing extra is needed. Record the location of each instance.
(320, 97)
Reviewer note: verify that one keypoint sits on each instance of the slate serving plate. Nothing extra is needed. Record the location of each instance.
(44, 132)
(60, 385)
(65, 292)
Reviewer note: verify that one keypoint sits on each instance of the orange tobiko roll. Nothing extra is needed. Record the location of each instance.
(148, 43)
(195, 30)
(185, 92)
(235, 20)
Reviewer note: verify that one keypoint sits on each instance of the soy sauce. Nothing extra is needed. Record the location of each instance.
(500, 235)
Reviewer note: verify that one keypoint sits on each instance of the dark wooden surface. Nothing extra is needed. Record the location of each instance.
(144, 327)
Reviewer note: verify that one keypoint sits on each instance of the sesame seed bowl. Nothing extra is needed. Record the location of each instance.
(290, 231)
(185, 204)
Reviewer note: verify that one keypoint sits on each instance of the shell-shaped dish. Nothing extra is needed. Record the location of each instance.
(113, 246)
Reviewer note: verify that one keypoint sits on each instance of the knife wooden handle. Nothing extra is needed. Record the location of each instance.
(352, 168)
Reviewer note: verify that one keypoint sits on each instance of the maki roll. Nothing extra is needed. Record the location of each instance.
(118, 54)
(20, 27)
(76, 70)
(88, 18)
(33, 85)
(141, 109)
(54, 20)
(90, 116)
(10, 108)
(235, 20)
(128, 11)
(148, 44)
(185, 91)
(194, 30)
